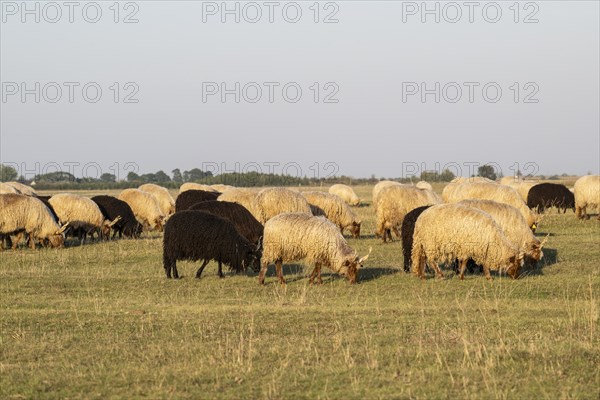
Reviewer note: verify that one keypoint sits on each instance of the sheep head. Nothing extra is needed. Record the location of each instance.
(351, 265)
(355, 229)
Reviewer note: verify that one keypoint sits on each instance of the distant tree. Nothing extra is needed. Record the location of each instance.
(58, 176)
(177, 177)
(148, 178)
(487, 171)
(106, 177)
(7, 173)
(195, 175)
(161, 177)
(132, 176)
(447, 175)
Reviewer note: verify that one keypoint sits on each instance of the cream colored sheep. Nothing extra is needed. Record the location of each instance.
(195, 186)
(20, 213)
(447, 232)
(522, 188)
(378, 188)
(424, 185)
(273, 201)
(513, 225)
(300, 236)
(510, 180)
(5, 188)
(82, 214)
(145, 207)
(22, 189)
(165, 200)
(394, 202)
(346, 193)
(336, 210)
(472, 179)
(242, 196)
(221, 188)
(587, 194)
(490, 191)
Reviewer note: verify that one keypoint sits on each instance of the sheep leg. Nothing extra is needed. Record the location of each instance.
(316, 273)
(486, 271)
(463, 266)
(396, 232)
(199, 272)
(262, 273)
(220, 270)
(438, 271)
(31, 242)
(279, 269)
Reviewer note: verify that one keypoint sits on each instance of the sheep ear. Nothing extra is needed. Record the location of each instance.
(363, 259)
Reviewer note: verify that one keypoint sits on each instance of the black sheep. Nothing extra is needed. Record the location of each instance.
(190, 197)
(198, 235)
(408, 229)
(243, 220)
(545, 195)
(111, 208)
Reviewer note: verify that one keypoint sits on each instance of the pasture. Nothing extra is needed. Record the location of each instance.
(102, 321)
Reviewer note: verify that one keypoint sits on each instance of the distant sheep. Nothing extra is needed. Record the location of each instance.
(82, 214)
(490, 191)
(190, 197)
(407, 230)
(336, 210)
(547, 195)
(513, 226)
(424, 185)
(346, 193)
(587, 194)
(394, 202)
(195, 186)
(243, 220)
(19, 213)
(300, 236)
(198, 235)
(22, 189)
(145, 208)
(472, 179)
(447, 232)
(113, 208)
(274, 201)
(165, 200)
(378, 188)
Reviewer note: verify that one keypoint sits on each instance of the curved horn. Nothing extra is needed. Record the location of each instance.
(363, 259)
(114, 221)
(544, 240)
(62, 228)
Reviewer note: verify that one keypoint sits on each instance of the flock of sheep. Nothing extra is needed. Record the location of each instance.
(475, 221)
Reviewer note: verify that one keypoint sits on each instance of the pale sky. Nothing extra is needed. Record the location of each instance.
(375, 61)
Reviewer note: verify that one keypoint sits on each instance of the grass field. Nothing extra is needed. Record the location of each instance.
(102, 321)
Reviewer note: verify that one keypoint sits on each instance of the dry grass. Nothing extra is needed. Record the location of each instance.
(102, 321)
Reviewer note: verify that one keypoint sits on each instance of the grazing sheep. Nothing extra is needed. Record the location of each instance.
(5, 188)
(490, 191)
(472, 179)
(394, 202)
(378, 188)
(222, 188)
(190, 197)
(244, 197)
(346, 193)
(145, 208)
(513, 226)
(407, 230)
(424, 185)
(274, 201)
(22, 189)
(301, 236)
(82, 214)
(587, 193)
(113, 208)
(336, 210)
(448, 232)
(549, 195)
(199, 235)
(165, 201)
(195, 186)
(46, 201)
(20, 213)
(243, 220)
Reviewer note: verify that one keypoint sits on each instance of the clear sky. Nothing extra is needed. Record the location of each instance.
(516, 86)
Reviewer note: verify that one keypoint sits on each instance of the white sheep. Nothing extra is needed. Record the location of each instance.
(447, 232)
(5, 188)
(379, 186)
(20, 213)
(587, 194)
(22, 189)
(472, 179)
(221, 188)
(195, 186)
(242, 196)
(336, 210)
(346, 193)
(299, 236)
(489, 191)
(165, 200)
(145, 207)
(273, 201)
(394, 202)
(82, 214)
(424, 185)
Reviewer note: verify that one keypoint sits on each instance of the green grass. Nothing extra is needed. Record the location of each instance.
(102, 321)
